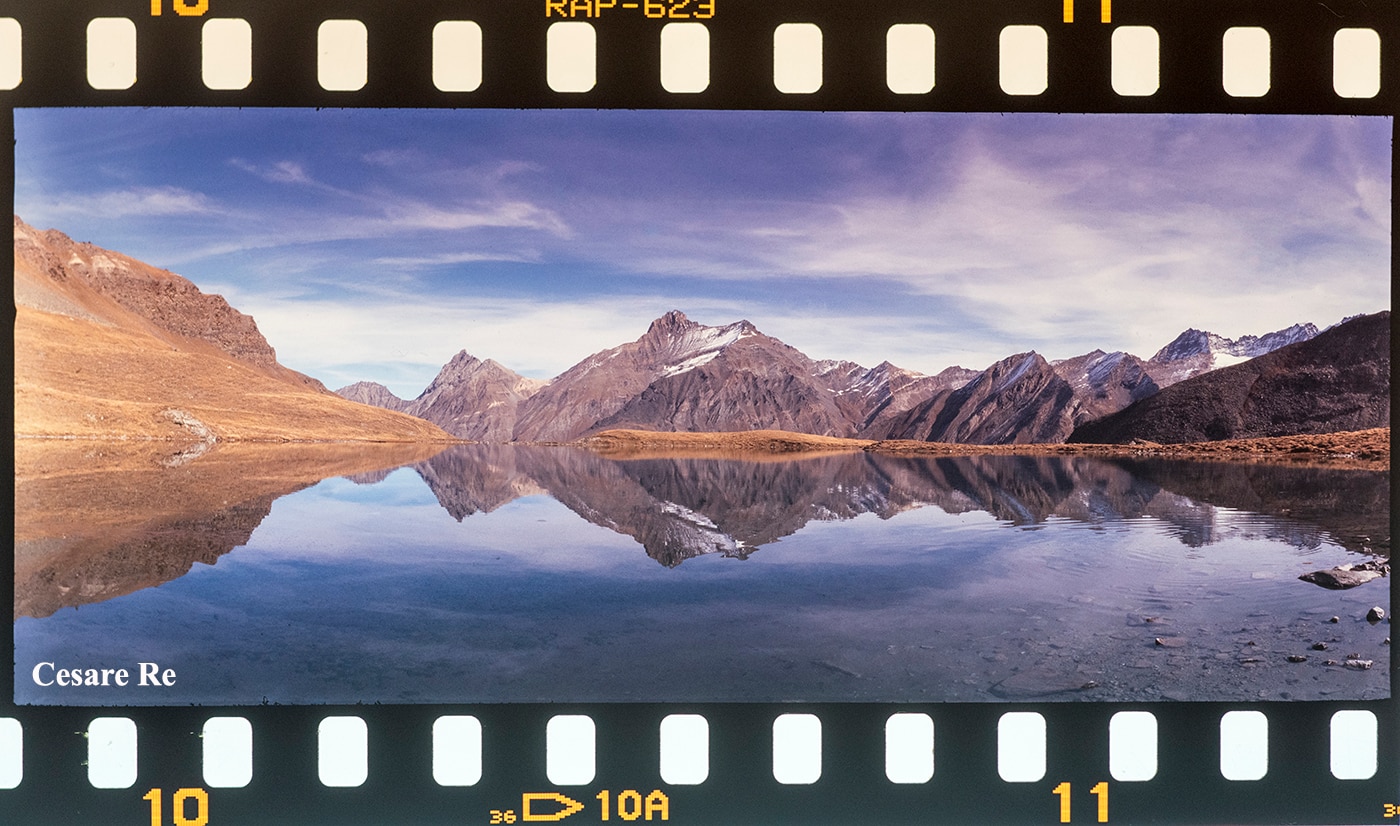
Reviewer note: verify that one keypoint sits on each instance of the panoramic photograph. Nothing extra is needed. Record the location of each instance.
(609, 406)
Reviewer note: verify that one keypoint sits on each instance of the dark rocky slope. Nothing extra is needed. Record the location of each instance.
(1339, 380)
(1018, 400)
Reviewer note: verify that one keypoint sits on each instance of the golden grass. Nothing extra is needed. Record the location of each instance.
(748, 444)
(77, 378)
(1364, 449)
(1361, 449)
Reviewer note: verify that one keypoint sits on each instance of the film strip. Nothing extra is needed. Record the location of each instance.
(807, 726)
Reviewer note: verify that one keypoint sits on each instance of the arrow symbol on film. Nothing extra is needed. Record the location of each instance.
(570, 805)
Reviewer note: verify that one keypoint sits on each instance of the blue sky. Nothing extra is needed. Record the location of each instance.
(373, 244)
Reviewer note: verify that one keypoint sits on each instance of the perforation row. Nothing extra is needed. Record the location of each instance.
(1023, 50)
(684, 750)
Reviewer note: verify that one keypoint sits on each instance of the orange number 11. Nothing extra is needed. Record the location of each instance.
(1100, 790)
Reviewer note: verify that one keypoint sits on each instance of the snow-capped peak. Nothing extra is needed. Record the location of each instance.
(1199, 342)
(684, 345)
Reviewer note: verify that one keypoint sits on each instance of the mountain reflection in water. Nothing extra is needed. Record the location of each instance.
(89, 533)
(684, 507)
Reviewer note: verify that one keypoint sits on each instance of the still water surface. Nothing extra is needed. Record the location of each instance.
(491, 573)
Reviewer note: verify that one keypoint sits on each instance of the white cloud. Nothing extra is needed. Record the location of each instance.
(450, 258)
(133, 203)
(280, 172)
(509, 214)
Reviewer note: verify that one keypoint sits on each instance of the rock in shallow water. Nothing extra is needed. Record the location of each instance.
(1346, 576)
(1041, 681)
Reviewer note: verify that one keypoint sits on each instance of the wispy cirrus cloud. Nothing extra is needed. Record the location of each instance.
(450, 258)
(134, 202)
(278, 172)
(511, 214)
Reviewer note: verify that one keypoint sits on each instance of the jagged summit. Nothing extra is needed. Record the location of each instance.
(679, 342)
(463, 367)
(1199, 351)
(672, 322)
(1191, 342)
(372, 393)
(1195, 342)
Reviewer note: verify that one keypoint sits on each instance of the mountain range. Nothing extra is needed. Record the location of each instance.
(684, 376)
(109, 347)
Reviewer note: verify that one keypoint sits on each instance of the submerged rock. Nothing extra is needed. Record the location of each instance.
(1042, 680)
(1347, 576)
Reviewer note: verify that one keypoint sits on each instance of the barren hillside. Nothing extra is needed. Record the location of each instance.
(109, 347)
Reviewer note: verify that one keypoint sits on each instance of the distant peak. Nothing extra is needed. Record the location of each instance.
(672, 321)
(1195, 342)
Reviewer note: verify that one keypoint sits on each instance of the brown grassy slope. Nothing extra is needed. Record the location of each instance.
(77, 378)
(639, 444)
(1363, 449)
(108, 347)
(1369, 449)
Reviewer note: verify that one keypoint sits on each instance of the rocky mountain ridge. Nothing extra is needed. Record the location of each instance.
(684, 376)
(1196, 351)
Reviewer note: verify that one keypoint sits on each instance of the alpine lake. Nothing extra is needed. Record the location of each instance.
(307, 574)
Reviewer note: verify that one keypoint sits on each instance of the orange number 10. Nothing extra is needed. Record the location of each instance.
(178, 801)
(184, 8)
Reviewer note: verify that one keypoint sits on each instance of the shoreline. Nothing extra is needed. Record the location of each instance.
(1359, 450)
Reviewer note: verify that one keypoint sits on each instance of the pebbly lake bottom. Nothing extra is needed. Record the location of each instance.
(552, 575)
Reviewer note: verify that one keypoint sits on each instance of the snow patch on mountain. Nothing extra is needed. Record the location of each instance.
(1099, 368)
(1016, 373)
(1227, 359)
(698, 345)
(690, 364)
